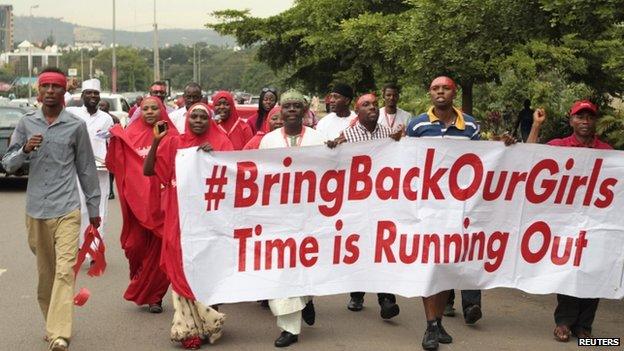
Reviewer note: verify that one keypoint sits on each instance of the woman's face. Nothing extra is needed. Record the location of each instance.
(198, 121)
(268, 101)
(275, 122)
(222, 108)
(150, 111)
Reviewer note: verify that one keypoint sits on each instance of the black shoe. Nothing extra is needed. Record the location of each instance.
(430, 339)
(264, 303)
(355, 304)
(286, 339)
(111, 196)
(155, 307)
(472, 314)
(389, 309)
(308, 314)
(449, 311)
(444, 337)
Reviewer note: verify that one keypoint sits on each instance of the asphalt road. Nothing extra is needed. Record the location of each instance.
(513, 320)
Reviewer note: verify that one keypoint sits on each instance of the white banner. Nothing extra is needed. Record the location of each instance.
(412, 218)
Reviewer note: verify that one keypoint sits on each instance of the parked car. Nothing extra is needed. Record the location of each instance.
(9, 116)
(118, 105)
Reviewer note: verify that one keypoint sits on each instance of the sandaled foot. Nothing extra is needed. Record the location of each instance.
(562, 333)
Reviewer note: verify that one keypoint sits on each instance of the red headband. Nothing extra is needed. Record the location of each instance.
(52, 78)
(443, 80)
(365, 97)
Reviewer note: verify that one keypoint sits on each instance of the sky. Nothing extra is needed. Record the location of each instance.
(138, 15)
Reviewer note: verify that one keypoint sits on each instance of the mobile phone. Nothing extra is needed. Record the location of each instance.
(162, 128)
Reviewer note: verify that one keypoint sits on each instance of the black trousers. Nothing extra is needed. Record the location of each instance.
(380, 296)
(575, 312)
(469, 298)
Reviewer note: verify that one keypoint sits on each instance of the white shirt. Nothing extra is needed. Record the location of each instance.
(98, 125)
(178, 117)
(331, 125)
(397, 122)
(277, 139)
(67, 97)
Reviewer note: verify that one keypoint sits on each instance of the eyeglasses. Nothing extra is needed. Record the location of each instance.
(269, 89)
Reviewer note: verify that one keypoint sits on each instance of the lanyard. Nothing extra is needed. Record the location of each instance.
(299, 137)
(388, 119)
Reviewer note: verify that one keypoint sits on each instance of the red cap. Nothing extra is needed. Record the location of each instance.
(581, 105)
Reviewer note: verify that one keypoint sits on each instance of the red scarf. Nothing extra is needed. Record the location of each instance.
(237, 130)
(171, 254)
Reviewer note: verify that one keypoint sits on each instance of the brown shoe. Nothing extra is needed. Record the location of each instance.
(562, 333)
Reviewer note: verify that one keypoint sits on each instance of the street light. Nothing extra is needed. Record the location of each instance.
(30, 54)
(163, 67)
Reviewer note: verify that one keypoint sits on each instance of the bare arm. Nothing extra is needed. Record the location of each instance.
(539, 116)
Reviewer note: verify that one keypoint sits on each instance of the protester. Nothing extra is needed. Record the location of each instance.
(309, 119)
(289, 311)
(57, 145)
(139, 196)
(367, 127)
(268, 100)
(105, 106)
(340, 118)
(192, 95)
(524, 121)
(192, 321)
(390, 115)
(98, 123)
(159, 90)
(574, 315)
(137, 103)
(443, 120)
(237, 130)
(71, 85)
(271, 123)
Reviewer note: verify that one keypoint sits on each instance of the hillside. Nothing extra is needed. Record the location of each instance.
(39, 28)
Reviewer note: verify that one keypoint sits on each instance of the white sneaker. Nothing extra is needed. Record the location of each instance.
(59, 344)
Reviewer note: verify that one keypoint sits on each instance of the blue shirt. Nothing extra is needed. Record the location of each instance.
(428, 125)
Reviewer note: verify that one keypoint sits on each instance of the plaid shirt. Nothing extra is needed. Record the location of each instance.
(358, 132)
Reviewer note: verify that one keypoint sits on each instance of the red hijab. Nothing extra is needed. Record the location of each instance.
(171, 254)
(140, 134)
(236, 130)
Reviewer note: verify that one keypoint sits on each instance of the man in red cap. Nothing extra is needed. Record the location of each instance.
(574, 315)
(57, 145)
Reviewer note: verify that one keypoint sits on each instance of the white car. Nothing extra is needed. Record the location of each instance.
(118, 105)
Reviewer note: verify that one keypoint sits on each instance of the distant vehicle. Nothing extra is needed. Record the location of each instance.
(254, 100)
(21, 103)
(9, 117)
(118, 105)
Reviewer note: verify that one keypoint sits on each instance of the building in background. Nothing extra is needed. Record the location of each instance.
(87, 38)
(50, 56)
(6, 28)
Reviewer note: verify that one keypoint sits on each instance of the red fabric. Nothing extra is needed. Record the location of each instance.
(171, 255)
(572, 141)
(442, 80)
(251, 121)
(52, 78)
(98, 254)
(132, 109)
(139, 197)
(366, 97)
(237, 130)
(254, 143)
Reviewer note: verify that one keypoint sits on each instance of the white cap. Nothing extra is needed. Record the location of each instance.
(91, 84)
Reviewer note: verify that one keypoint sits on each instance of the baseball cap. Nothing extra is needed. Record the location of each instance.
(581, 105)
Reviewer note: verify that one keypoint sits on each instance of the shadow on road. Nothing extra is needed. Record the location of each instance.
(13, 184)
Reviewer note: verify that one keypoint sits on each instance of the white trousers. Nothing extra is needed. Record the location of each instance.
(104, 182)
(288, 312)
(290, 322)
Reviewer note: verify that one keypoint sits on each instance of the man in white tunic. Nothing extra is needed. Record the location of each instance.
(341, 116)
(192, 95)
(289, 311)
(98, 123)
(391, 115)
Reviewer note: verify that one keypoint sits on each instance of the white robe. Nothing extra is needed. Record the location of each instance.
(331, 125)
(178, 117)
(98, 125)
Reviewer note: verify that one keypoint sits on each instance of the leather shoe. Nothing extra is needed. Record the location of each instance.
(286, 339)
(472, 314)
(355, 304)
(389, 309)
(449, 311)
(444, 337)
(308, 314)
(430, 339)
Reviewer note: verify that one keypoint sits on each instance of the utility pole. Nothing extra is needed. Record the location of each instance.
(156, 58)
(81, 65)
(114, 68)
(194, 65)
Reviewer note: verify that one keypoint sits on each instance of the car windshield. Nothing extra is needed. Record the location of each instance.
(9, 117)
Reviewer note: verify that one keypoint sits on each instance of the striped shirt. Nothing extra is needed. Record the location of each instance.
(358, 132)
(427, 125)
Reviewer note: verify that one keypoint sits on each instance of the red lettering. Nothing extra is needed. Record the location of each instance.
(352, 248)
(580, 244)
(606, 192)
(394, 174)
(309, 246)
(470, 160)
(357, 176)
(246, 183)
(242, 235)
(281, 246)
(537, 227)
(547, 184)
(496, 254)
(430, 182)
(300, 177)
(488, 193)
(408, 191)
(554, 253)
(382, 243)
(593, 179)
(328, 196)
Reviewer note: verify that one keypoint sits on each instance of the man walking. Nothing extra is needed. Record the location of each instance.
(57, 145)
(192, 95)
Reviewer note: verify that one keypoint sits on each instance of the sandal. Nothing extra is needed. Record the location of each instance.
(192, 343)
(562, 333)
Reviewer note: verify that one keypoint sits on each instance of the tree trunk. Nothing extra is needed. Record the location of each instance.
(467, 97)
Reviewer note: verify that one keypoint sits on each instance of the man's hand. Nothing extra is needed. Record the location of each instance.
(333, 143)
(508, 139)
(539, 116)
(397, 135)
(205, 147)
(95, 221)
(33, 143)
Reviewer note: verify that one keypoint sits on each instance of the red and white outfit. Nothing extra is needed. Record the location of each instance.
(237, 130)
